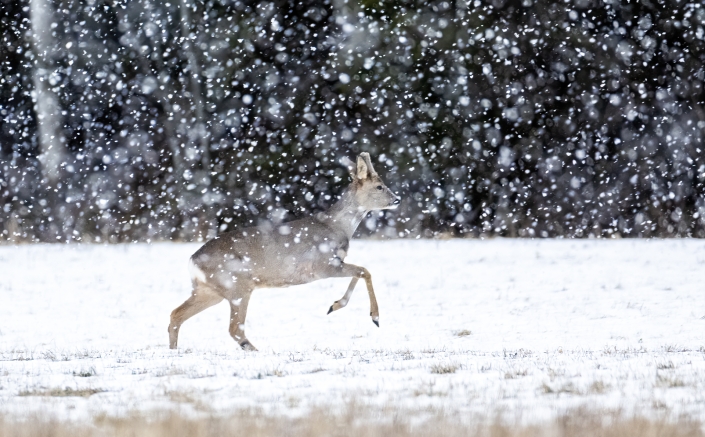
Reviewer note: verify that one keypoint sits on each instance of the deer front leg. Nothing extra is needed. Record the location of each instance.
(357, 272)
(338, 304)
(238, 313)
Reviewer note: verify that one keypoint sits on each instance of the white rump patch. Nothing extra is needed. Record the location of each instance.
(195, 272)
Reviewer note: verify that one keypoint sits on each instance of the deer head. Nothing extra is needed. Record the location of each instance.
(368, 188)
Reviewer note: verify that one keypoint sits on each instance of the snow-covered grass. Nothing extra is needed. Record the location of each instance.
(525, 330)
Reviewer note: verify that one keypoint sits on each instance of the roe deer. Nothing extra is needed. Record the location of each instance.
(232, 265)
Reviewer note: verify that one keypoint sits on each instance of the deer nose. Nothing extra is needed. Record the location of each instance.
(397, 201)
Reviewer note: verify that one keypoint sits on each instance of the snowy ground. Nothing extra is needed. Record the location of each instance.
(526, 329)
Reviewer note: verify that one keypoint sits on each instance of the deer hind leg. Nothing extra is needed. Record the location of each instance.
(238, 313)
(201, 298)
(357, 273)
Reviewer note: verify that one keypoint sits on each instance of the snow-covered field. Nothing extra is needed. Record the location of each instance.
(525, 329)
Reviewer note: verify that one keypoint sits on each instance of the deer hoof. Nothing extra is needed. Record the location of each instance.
(338, 304)
(247, 346)
(376, 322)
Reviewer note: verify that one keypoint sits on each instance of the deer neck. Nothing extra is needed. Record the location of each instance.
(346, 214)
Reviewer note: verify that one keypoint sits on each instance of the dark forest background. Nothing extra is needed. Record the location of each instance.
(179, 119)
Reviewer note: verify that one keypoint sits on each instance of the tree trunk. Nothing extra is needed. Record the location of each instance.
(194, 84)
(197, 135)
(46, 102)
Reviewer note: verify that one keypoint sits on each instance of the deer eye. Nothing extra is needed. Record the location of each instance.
(379, 187)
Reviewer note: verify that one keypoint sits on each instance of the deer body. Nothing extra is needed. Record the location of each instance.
(290, 254)
(234, 264)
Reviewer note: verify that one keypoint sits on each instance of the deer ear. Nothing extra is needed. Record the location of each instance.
(362, 170)
(365, 157)
(347, 162)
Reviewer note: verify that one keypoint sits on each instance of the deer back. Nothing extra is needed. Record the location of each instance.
(291, 253)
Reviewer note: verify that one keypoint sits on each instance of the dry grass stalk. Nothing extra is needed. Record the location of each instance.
(372, 423)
